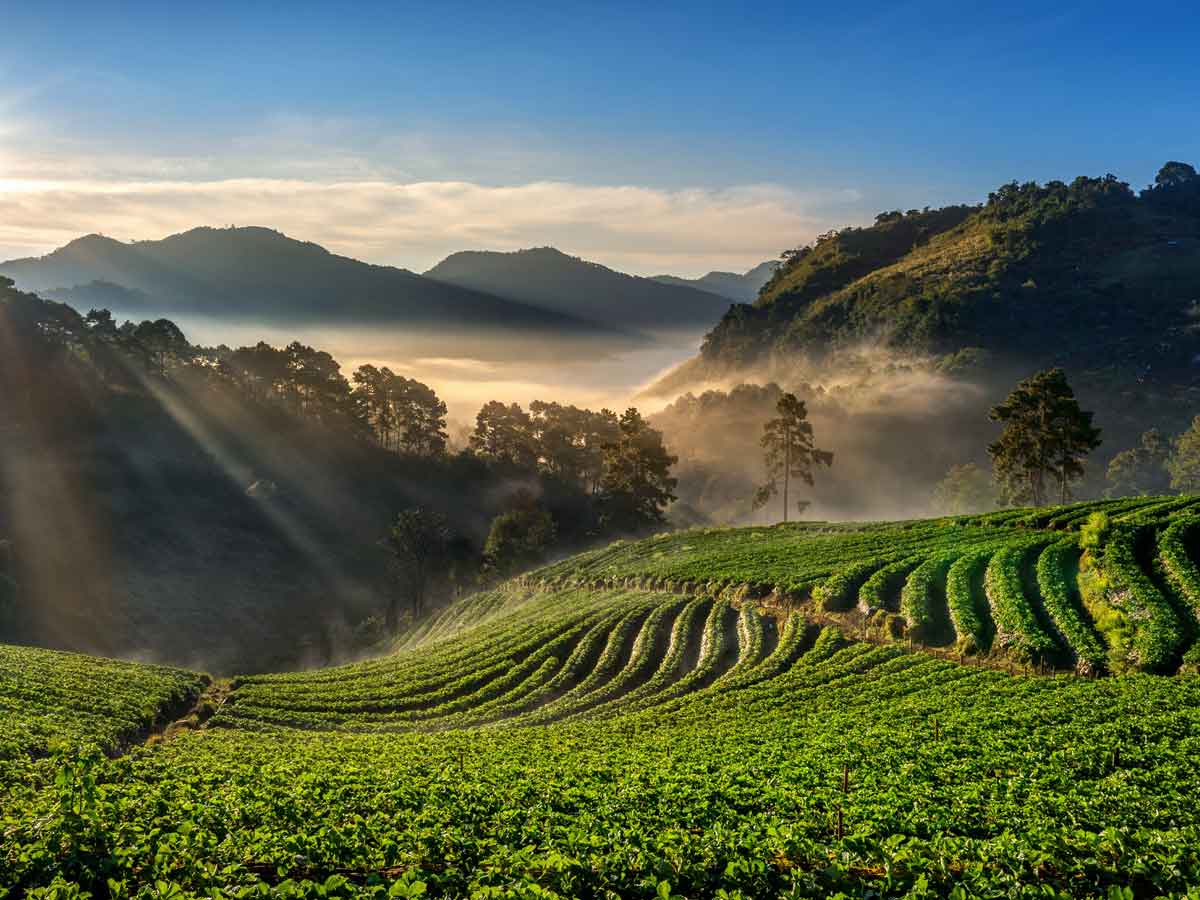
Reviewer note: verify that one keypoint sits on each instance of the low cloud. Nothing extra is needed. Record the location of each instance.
(415, 224)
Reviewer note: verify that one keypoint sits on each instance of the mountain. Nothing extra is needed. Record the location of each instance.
(551, 279)
(739, 288)
(261, 274)
(1090, 276)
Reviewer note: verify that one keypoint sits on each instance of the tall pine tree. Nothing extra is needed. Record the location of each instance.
(1046, 438)
(789, 452)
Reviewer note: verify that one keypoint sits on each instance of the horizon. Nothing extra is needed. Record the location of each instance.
(400, 135)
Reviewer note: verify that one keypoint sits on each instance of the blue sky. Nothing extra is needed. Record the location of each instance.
(673, 138)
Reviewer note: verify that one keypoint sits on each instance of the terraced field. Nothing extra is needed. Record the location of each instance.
(738, 713)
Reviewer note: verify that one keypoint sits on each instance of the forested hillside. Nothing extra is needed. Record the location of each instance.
(1086, 275)
(223, 507)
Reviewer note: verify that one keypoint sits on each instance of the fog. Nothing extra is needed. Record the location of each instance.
(894, 423)
(467, 368)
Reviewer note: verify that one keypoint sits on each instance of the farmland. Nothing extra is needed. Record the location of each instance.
(990, 706)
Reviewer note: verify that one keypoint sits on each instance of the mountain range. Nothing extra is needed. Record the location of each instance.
(260, 274)
(742, 288)
(550, 278)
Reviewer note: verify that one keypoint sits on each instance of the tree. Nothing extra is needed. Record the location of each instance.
(1175, 174)
(965, 489)
(789, 452)
(518, 538)
(420, 541)
(420, 417)
(570, 441)
(1045, 436)
(636, 486)
(161, 343)
(505, 433)
(1184, 463)
(1141, 470)
(405, 415)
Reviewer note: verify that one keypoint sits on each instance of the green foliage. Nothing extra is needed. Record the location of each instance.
(1140, 470)
(539, 738)
(518, 539)
(1160, 635)
(53, 699)
(420, 542)
(1046, 436)
(1177, 560)
(965, 489)
(919, 601)
(965, 601)
(1017, 627)
(1057, 571)
(789, 451)
(637, 485)
(1095, 531)
(1184, 462)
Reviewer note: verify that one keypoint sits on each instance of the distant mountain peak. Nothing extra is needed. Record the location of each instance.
(261, 273)
(741, 288)
(556, 280)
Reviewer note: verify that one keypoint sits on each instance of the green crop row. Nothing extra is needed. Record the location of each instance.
(1160, 636)
(1017, 627)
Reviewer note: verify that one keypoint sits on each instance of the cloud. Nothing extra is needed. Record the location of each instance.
(416, 223)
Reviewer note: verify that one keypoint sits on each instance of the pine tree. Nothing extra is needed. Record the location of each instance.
(1046, 436)
(789, 452)
(636, 486)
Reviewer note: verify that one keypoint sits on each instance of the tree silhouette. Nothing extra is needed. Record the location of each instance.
(1141, 470)
(789, 452)
(636, 486)
(420, 542)
(505, 433)
(1046, 436)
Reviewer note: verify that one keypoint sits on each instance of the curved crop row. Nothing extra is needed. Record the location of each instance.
(1017, 626)
(1159, 634)
(1063, 606)
(972, 629)
(1177, 564)
(884, 583)
(840, 590)
(918, 600)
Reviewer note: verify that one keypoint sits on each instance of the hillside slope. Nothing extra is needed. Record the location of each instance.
(652, 729)
(260, 274)
(552, 279)
(1086, 275)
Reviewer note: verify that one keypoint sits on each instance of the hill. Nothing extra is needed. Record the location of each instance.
(551, 279)
(681, 716)
(1088, 276)
(220, 507)
(742, 288)
(260, 274)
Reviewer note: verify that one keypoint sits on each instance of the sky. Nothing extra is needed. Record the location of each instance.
(653, 138)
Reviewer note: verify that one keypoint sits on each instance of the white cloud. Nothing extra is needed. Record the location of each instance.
(414, 224)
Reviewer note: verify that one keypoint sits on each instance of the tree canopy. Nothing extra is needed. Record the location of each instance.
(637, 485)
(789, 452)
(1046, 436)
